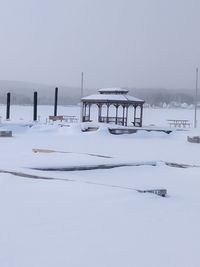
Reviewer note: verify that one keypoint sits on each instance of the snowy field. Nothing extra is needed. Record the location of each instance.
(95, 218)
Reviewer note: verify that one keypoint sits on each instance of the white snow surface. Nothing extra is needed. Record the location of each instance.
(84, 218)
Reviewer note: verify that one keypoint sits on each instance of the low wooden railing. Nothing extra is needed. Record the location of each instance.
(86, 118)
(179, 123)
(137, 122)
(66, 118)
(119, 120)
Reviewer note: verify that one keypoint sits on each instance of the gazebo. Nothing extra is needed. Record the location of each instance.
(120, 100)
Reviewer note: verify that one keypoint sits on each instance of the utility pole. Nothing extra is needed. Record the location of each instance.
(81, 107)
(81, 84)
(195, 100)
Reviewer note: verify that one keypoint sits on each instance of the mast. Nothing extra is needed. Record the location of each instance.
(81, 106)
(195, 100)
(81, 84)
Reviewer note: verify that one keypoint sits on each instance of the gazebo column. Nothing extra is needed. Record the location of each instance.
(86, 104)
(89, 112)
(141, 114)
(86, 111)
(134, 115)
(99, 112)
(123, 115)
(116, 115)
(126, 122)
(82, 112)
(107, 117)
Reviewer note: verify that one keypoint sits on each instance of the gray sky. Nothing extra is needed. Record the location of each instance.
(135, 43)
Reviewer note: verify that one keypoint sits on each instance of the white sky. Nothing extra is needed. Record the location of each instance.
(135, 43)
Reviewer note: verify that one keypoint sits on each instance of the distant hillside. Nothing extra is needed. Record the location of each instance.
(159, 96)
(22, 93)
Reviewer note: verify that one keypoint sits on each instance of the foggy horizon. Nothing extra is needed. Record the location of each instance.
(31, 84)
(116, 43)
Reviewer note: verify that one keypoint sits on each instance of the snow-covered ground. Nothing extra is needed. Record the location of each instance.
(95, 217)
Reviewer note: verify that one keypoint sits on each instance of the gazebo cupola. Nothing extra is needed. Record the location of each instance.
(111, 91)
(120, 100)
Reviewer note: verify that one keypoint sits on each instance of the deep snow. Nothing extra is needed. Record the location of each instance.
(75, 222)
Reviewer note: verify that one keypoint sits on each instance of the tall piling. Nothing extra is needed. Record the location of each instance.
(8, 107)
(35, 96)
(55, 101)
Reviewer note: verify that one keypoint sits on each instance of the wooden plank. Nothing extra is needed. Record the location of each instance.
(56, 118)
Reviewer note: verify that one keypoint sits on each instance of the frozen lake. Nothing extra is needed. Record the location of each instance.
(155, 116)
(96, 217)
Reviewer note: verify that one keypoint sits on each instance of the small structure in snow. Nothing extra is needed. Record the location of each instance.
(159, 192)
(5, 133)
(193, 139)
(121, 101)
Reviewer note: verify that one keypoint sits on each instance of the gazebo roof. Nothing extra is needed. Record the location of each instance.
(112, 95)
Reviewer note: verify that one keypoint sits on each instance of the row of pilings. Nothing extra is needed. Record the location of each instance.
(35, 104)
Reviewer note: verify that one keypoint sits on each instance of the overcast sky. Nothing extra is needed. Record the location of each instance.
(134, 43)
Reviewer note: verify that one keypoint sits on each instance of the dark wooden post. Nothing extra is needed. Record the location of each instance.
(123, 115)
(116, 115)
(82, 112)
(55, 101)
(89, 112)
(135, 115)
(35, 106)
(8, 107)
(141, 115)
(99, 112)
(126, 115)
(107, 113)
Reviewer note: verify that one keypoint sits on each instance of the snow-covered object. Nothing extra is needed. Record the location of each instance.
(112, 95)
(113, 91)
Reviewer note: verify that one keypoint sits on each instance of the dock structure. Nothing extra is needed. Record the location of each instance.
(35, 103)
(120, 100)
(118, 131)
